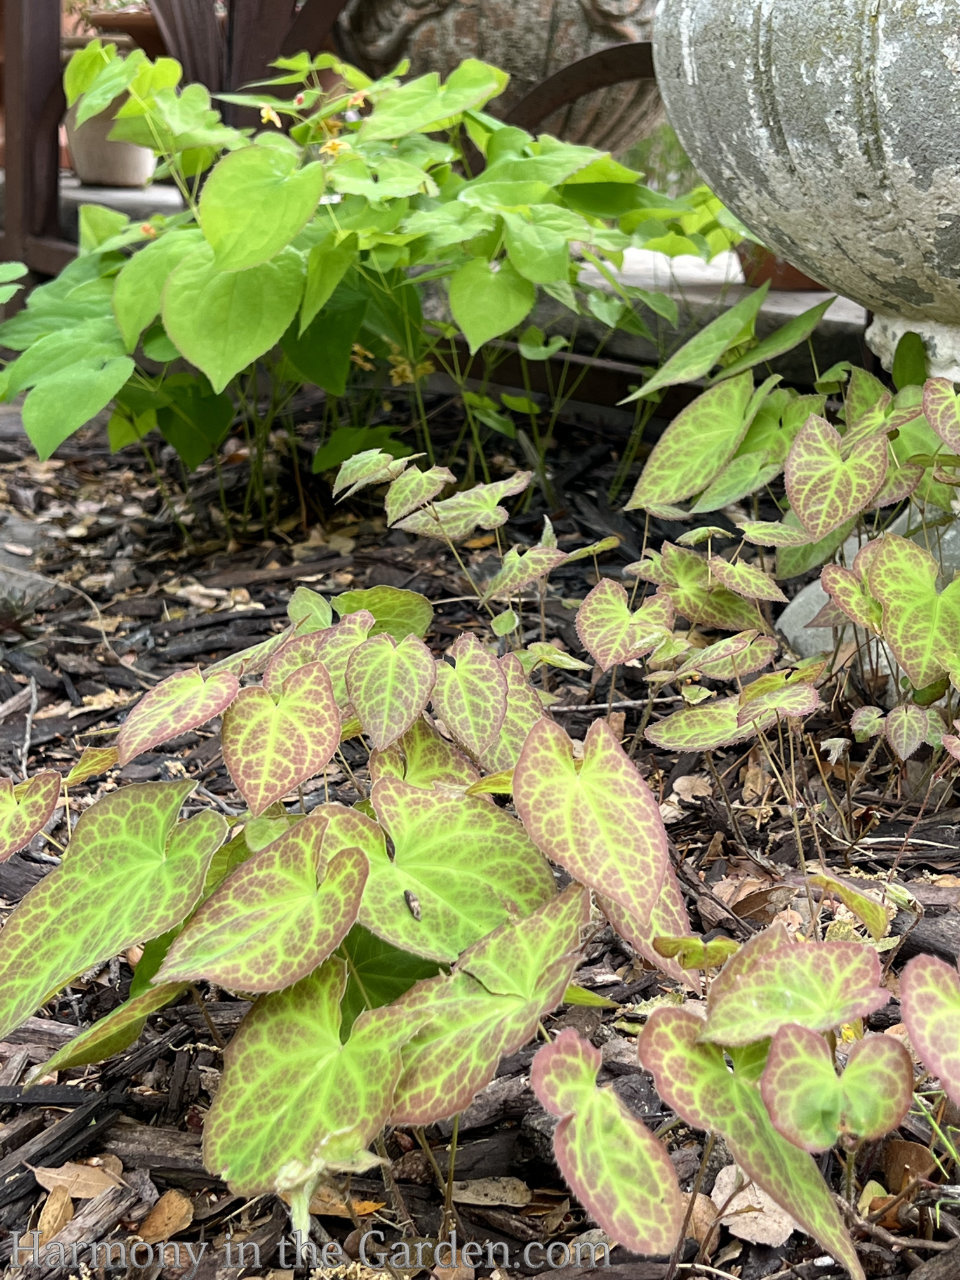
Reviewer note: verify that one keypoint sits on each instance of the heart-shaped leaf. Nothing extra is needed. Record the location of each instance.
(470, 697)
(26, 809)
(519, 569)
(397, 612)
(454, 519)
(524, 710)
(424, 759)
(612, 633)
(595, 816)
(271, 744)
(333, 646)
(389, 685)
(848, 591)
(697, 597)
(369, 466)
(414, 489)
(745, 580)
(611, 1161)
(941, 408)
(93, 761)
(814, 1108)
(731, 657)
(930, 1003)
(132, 872)
(715, 724)
(275, 918)
(906, 729)
(921, 626)
(182, 702)
(825, 489)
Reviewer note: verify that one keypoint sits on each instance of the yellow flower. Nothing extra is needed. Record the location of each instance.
(269, 116)
(334, 147)
(402, 371)
(361, 357)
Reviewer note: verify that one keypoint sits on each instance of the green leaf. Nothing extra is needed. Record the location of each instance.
(371, 466)
(825, 488)
(814, 1108)
(696, 445)
(941, 408)
(921, 626)
(191, 417)
(489, 1006)
(138, 287)
(309, 611)
(131, 873)
(772, 981)
(379, 973)
(866, 908)
(693, 1079)
(396, 612)
(221, 321)
(424, 759)
(470, 694)
(422, 105)
(62, 403)
(25, 809)
(668, 918)
(524, 710)
(788, 336)
(332, 647)
(930, 1003)
(389, 685)
(182, 702)
(275, 918)
(255, 202)
(272, 742)
(327, 264)
(611, 1161)
(453, 519)
(847, 589)
(613, 634)
(488, 299)
(745, 580)
(519, 569)
(595, 816)
(295, 1101)
(910, 362)
(698, 356)
(906, 728)
(731, 657)
(414, 489)
(793, 560)
(537, 250)
(112, 1034)
(93, 761)
(688, 585)
(322, 354)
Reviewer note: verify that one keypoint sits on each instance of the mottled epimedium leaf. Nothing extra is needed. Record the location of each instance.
(524, 710)
(849, 592)
(867, 909)
(389, 685)
(697, 444)
(309, 611)
(181, 702)
(745, 580)
(693, 1079)
(693, 952)
(114, 1033)
(370, 466)
(611, 1161)
(930, 1004)
(414, 489)
(490, 1005)
(438, 840)
(550, 656)
(668, 917)
(733, 656)
(519, 569)
(294, 1099)
(906, 729)
(814, 1108)
(699, 599)
(772, 981)
(710, 725)
(252, 661)
(470, 695)
(613, 633)
(921, 626)
(867, 722)
(275, 918)
(93, 761)
(457, 517)
(593, 550)
(424, 759)
(789, 700)
(332, 646)
(825, 488)
(595, 816)
(131, 873)
(397, 612)
(763, 533)
(271, 743)
(25, 809)
(378, 973)
(941, 408)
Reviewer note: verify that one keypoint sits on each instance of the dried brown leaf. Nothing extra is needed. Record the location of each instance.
(172, 1214)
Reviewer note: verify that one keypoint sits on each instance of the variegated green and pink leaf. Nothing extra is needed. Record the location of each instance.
(470, 694)
(389, 685)
(183, 701)
(920, 624)
(25, 809)
(825, 488)
(930, 1003)
(612, 633)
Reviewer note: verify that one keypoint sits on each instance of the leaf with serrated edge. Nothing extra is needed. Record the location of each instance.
(389, 685)
(26, 809)
(275, 918)
(906, 729)
(797, 700)
(813, 1107)
(668, 918)
(93, 761)
(295, 1101)
(703, 728)
(921, 626)
(612, 633)
(270, 745)
(734, 656)
(745, 580)
(457, 517)
(696, 445)
(424, 759)
(132, 872)
(370, 466)
(519, 569)
(398, 612)
(849, 592)
(611, 1161)
(114, 1033)
(332, 646)
(524, 710)
(825, 489)
(596, 816)
(471, 697)
(697, 598)
(819, 986)
(252, 661)
(489, 1006)
(439, 838)
(309, 611)
(181, 702)
(942, 410)
(694, 1080)
(868, 910)
(414, 489)
(930, 1004)
(764, 533)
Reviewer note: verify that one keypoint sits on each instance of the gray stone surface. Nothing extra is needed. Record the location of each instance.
(135, 202)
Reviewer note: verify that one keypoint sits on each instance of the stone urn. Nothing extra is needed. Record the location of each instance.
(830, 129)
(528, 38)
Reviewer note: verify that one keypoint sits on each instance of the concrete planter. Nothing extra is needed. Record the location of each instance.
(830, 128)
(529, 38)
(99, 161)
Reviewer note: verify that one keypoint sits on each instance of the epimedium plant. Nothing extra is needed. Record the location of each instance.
(303, 252)
(394, 950)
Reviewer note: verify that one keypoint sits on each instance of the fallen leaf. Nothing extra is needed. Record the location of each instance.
(172, 1214)
(512, 1192)
(703, 1222)
(750, 1214)
(692, 786)
(903, 1161)
(57, 1211)
(81, 1181)
(328, 1203)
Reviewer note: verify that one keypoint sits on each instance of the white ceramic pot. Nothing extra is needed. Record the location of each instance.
(831, 128)
(99, 161)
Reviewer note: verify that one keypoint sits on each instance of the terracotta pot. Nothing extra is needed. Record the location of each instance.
(100, 162)
(761, 265)
(528, 38)
(140, 26)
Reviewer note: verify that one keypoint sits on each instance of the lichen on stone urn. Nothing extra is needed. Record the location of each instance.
(830, 129)
(530, 39)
